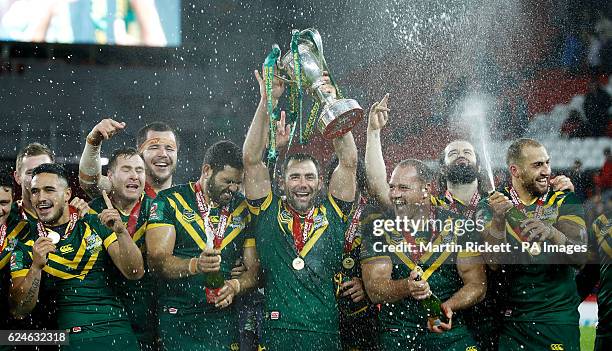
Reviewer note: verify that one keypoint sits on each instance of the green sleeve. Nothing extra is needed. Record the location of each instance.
(21, 260)
(372, 238)
(162, 211)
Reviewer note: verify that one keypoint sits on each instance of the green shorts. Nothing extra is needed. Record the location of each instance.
(286, 339)
(538, 336)
(187, 331)
(457, 339)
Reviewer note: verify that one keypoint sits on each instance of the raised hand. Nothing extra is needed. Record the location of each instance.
(104, 131)
(40, 251)
(278, 87)
(110, 217)
(379, 114)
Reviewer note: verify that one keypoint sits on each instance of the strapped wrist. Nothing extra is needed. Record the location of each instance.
(193, 266)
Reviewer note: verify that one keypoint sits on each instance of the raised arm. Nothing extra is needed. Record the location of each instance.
(343, 180)
(151, 31)
(90, 167)
(256, 176)
(376, 172)
(125, 254)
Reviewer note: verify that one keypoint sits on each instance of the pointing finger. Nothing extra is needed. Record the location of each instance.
(107, 201)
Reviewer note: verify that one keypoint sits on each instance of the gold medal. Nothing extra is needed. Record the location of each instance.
(55, 237)
(348, 263)
(535, 249)
(298, 264)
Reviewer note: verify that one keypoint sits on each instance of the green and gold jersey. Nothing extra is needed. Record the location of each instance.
(438, 261)
(300, 299)
(18, 213)
(14, 232)
(537, 290)
(76, 275)
(602, 230)
(177, 207)
(137, 296)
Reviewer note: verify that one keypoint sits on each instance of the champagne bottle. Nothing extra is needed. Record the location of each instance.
(432, 304)
(213, 281)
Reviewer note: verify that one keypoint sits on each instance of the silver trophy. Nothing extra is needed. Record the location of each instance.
(338, 116)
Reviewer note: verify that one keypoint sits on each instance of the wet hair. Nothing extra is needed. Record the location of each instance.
(33, 149)
(515, 151)
(52, 168)
(424, 173)
(141, 137)
(223, 153)
(6, 181)
(121, 152)
(301, 157)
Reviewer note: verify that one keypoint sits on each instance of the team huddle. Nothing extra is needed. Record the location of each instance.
(149, 265)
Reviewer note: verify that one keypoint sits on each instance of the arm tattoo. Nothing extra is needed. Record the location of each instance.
(31, 292)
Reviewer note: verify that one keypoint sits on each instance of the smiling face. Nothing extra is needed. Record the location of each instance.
(407, 192)
(301, 184)
(6, 200)
(50, 195)
(460, 165)
(532, 172)
(160, 158)
(128, 177)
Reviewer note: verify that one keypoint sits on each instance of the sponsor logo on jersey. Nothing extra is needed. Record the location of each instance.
(557, 347)
(274, 315)
(66, 249)
(76, 329)
(172, 310)
(235, 347)
(471, 348)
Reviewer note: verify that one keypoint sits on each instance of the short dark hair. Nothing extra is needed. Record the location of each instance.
(141, 137)
(223, 153)
(33, 149)
(300, 157)
(424, 173)
(515, 151)
(52, 168)
(121, 152)
(6, 181)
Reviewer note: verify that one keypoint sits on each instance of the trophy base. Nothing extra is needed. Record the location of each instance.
(339, 117)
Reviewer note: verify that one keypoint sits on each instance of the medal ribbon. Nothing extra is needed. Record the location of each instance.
(74, 217)
(471, 207)
(133, 219)
(269, 68)
(148, 189)
(300, 233)
(3, 231)
(410, 237)
(351, 232)
(204, 210)
(539, 210)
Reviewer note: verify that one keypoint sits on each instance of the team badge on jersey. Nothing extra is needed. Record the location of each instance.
(154, 212)
(94, 244)
(188, 215)
(320, 221)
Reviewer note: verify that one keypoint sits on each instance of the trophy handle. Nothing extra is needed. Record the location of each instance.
(315, 37)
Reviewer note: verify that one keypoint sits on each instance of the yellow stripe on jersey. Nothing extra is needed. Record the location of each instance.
(20, 273)
(573, 218)
(140, 232)
(316, 236)
(92, 211)
(74, 263)
(109, 240)
(437, 263)
(158, 225)
(602, 238)
(250, 242)
(336, 207)
(265, 204)
(4, 261)
(190, 230)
